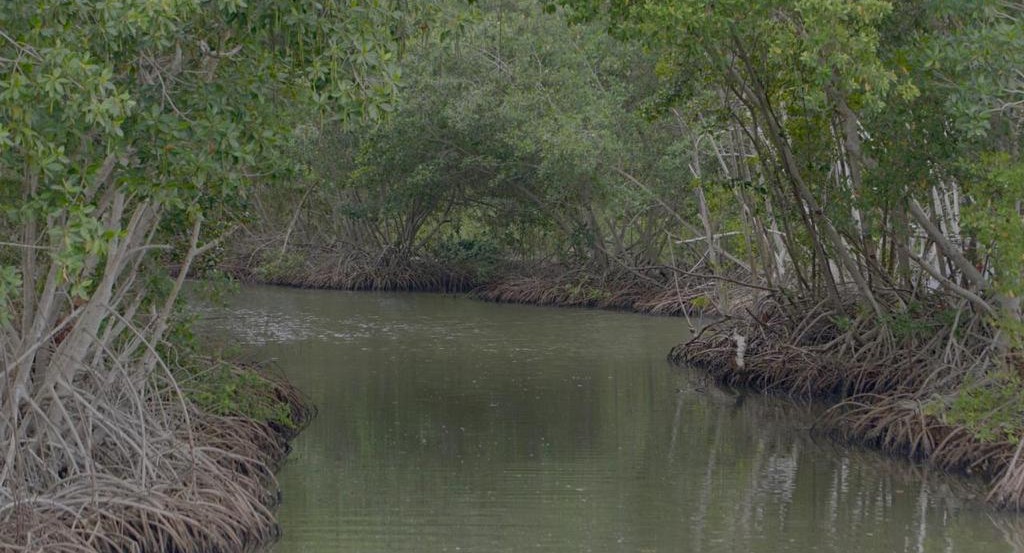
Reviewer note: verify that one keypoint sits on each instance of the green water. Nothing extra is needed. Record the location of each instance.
(452, 425)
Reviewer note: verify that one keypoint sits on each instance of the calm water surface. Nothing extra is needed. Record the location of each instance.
(452, 425)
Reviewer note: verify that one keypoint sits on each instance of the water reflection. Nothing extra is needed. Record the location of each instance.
(451, 425)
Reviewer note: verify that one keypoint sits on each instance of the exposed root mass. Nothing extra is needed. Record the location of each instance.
(656, 291)
(163, 475)
(353, 270)
(895, 386)
(618, 289)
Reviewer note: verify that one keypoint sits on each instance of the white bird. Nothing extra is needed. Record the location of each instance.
(741, 347)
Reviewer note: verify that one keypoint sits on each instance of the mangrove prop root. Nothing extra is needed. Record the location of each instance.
(643, 290)
(143, 479)
(879, 382)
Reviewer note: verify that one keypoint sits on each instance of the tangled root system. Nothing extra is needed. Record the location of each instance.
(881, 382)
(152, 474)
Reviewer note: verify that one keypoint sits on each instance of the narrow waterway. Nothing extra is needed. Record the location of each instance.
(452, 425)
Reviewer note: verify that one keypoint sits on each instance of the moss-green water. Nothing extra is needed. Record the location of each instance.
(452, 425)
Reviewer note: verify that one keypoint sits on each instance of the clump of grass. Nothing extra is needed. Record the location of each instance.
(993, 411)
(230, 390)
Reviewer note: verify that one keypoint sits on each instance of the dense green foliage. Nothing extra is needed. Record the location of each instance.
(513, 139)
(863, 157)
(130, 134)
(857, 161)
(822, 148)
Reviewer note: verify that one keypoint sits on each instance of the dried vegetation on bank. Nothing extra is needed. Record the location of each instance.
(161, 472)
(921, 387)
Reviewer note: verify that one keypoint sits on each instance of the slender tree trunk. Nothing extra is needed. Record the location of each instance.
(778, 137)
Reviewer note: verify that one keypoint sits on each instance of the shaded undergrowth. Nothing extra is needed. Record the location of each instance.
(354, 269)
(655, 290)
(651, 292)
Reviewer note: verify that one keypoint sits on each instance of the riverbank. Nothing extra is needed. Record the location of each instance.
(569, 420)
(653, 290)
(918, 387)
(921, 391)
(640, 292)
(212, 488)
